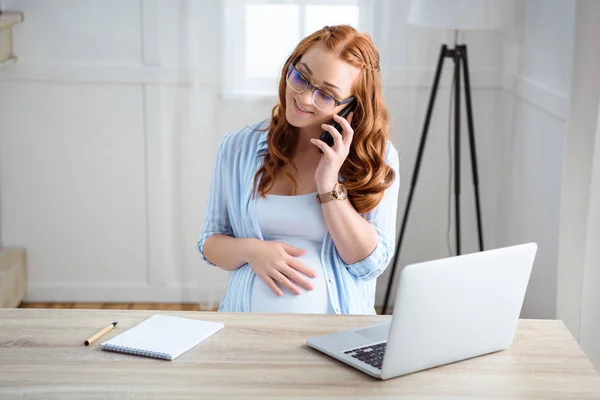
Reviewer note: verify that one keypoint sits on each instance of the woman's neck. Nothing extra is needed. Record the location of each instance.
(305, 147)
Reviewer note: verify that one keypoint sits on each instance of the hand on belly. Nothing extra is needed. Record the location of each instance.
(279, 266)
(308, 301)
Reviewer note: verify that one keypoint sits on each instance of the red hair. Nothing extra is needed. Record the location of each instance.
(364, 172)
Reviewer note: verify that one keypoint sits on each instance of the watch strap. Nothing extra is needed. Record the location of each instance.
(324, 198)
(333, 195)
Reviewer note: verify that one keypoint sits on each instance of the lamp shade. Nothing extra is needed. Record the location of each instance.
(457, 14)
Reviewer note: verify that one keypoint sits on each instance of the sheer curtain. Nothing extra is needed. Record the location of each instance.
(550, 119)
(200, 112)
(579, 256)
(590, 305)
(410, 55)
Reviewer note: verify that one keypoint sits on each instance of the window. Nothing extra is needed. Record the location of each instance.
(260, 34)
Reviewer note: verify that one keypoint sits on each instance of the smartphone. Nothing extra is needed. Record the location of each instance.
(326, 136)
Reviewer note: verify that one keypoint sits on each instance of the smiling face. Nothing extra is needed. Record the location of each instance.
(327, 72)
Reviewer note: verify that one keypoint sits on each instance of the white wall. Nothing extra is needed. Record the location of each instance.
(113, 116)
(578, 302)
(538, 73)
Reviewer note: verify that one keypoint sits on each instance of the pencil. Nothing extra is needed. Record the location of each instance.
(102, 332)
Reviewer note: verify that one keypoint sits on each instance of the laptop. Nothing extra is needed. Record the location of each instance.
(446, 310)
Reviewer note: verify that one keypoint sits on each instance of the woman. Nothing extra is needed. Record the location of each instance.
(315, 224)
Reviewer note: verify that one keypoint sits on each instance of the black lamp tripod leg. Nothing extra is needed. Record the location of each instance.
(415, 175)
(459, 55)
(463, 50)
(457, 61)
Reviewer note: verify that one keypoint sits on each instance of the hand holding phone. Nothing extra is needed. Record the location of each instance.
(326, 136)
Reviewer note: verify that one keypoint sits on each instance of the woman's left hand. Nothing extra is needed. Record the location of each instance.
(332, 159)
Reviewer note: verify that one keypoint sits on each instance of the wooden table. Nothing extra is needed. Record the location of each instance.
(265, 356)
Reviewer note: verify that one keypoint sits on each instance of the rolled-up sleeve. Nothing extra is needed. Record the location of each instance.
(216, 215)
(383, 219)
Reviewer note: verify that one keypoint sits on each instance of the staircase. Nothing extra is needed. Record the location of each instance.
(13, 277)
(7, 20)
(12, 261)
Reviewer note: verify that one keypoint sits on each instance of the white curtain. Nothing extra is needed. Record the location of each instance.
(590, 305)
(521, 95)
(409, 55)
(579, 255)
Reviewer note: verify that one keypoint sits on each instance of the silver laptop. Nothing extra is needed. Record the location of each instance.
(445, 311)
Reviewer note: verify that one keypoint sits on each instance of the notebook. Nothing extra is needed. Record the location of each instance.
(162, 336)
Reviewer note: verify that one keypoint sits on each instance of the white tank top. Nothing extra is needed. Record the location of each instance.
(297, 221)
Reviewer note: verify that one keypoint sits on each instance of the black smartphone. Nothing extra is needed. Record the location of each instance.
(326, 136)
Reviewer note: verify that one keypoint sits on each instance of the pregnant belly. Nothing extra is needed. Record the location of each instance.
(315, 301)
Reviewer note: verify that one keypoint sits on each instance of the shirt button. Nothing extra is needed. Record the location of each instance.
(330, 280)
(326, 251)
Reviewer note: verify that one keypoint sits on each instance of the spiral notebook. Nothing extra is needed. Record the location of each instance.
(162, 336)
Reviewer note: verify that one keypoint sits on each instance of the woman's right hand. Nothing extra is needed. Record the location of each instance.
(276, 262)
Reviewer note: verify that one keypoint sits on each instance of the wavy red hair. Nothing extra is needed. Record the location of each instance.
(364, 172)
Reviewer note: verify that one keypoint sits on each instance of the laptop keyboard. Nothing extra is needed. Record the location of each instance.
(372, 355)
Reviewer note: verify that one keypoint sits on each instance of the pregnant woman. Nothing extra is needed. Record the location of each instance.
(305, 226)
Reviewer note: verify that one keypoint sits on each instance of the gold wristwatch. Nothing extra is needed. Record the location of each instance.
(339, 192)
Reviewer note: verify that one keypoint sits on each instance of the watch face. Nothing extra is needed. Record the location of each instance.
(341, 192)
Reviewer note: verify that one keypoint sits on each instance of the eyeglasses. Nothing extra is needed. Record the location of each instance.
(320, 99)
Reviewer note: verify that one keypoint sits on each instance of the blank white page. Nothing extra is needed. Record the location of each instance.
(162, 336)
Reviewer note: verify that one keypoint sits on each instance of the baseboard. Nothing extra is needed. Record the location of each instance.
(59, 292)
(122, 293)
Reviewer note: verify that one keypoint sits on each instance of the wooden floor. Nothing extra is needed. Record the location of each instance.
(121, 306)
(133, 306)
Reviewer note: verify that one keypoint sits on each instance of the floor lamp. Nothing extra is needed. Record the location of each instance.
(456, 15)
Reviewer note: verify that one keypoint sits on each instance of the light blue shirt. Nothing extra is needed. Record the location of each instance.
(231, 210)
